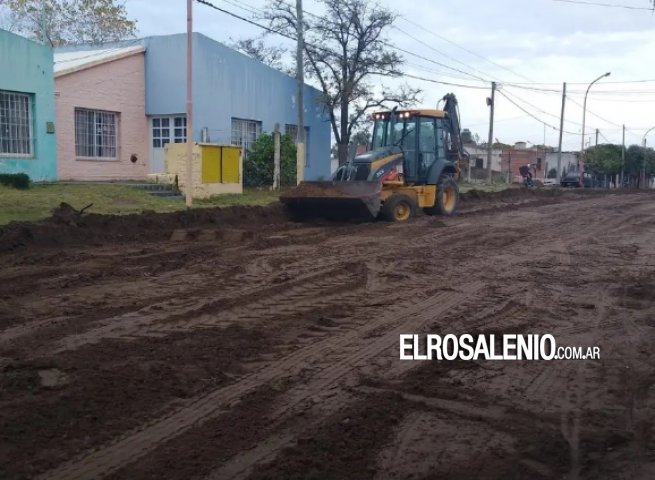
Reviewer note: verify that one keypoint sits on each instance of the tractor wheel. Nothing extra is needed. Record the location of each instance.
(398, 208)
(447, 198)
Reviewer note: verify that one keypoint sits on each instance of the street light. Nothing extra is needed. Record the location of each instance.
(584, 115)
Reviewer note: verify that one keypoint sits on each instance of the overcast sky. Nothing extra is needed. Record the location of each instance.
(541, 43)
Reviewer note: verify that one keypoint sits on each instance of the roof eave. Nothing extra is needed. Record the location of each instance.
(113, 58)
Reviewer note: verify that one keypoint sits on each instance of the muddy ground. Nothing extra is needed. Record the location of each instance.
(234, 344)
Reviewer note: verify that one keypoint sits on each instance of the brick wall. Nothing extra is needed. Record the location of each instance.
(517, 157)
(117, 86)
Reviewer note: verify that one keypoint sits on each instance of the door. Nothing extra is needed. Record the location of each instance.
(164, 130)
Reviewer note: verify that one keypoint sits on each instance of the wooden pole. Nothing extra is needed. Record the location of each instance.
(276, 157)
(300, 77)
(561, 133)
(189, 104)
(492, 104)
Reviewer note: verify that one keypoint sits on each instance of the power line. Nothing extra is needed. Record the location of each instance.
(586, 83)
(595, 114)
(445, 39)
(268, 29)
(324, 19)
(425, 44)
(476, 87)
(601, 4)
(431, 61)
(532, 115)
(290, 37)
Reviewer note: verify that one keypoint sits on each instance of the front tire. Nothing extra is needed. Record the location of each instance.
(398, 208)
(447, 198)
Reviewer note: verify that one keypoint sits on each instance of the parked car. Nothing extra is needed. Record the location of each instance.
(572, 180)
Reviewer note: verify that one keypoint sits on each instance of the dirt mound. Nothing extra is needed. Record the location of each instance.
(70, 226)
(509, 194)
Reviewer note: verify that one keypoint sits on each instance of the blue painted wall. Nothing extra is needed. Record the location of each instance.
(230, 84)
(26, 67)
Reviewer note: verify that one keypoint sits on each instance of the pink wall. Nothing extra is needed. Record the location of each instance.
(117, 86)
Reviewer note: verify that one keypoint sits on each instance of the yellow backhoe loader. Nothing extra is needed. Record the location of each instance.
(413, 163)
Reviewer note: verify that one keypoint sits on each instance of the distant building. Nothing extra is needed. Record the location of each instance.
(27, 109)
(122, 103)
(514, 158)
(478, 157)
(569, 161)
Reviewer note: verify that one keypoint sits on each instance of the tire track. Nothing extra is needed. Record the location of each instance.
(101, 462)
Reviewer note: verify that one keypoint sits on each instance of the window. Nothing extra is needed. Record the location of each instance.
(292, 131)
(245, 132)
(179, 133)
(16, 134)
(96, 134)
(168, 130)
(427, 142)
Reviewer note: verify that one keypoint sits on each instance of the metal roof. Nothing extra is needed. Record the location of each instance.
(72, 61)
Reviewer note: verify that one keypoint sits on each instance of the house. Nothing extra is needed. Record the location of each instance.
(27, 109)
(569, 161)
(513, 158)
(123, 102)
(100, 105)
(478, 162)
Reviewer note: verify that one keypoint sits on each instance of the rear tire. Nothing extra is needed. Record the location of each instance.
(447, 198)
(398, 208)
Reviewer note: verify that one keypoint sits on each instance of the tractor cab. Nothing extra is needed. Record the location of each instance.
(404, 143)
(421, 135)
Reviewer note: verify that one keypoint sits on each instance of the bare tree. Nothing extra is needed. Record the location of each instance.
(346, 53)
(64, 22)
(256, 48)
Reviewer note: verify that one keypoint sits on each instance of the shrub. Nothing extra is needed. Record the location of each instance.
(258, 167)
(16, 180)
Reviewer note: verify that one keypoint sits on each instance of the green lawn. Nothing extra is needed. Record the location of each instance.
(38, 201)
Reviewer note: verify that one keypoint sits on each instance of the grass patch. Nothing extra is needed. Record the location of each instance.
(250, 196)
(483, 187)
(38, 202)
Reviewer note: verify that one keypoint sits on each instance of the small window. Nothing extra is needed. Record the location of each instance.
(96, 134)
(16, 133)
(168, 130)
(245, 133)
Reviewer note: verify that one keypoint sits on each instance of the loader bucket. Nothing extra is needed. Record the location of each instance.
(334, 200)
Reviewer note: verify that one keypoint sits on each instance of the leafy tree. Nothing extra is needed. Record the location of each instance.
(552, 173)
(259, 164)
(64, 22)
(604, 159)
(346, 53)
(638, 158)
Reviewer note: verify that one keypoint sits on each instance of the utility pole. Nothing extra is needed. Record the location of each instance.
(623, 157)
(189, 103)
(491, 102)
(597, 131)
(44, 35)
(561, 133)
(642, 181)
(300, 77)
(276, 157)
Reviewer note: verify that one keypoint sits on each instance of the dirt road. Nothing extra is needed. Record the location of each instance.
(242, 346)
